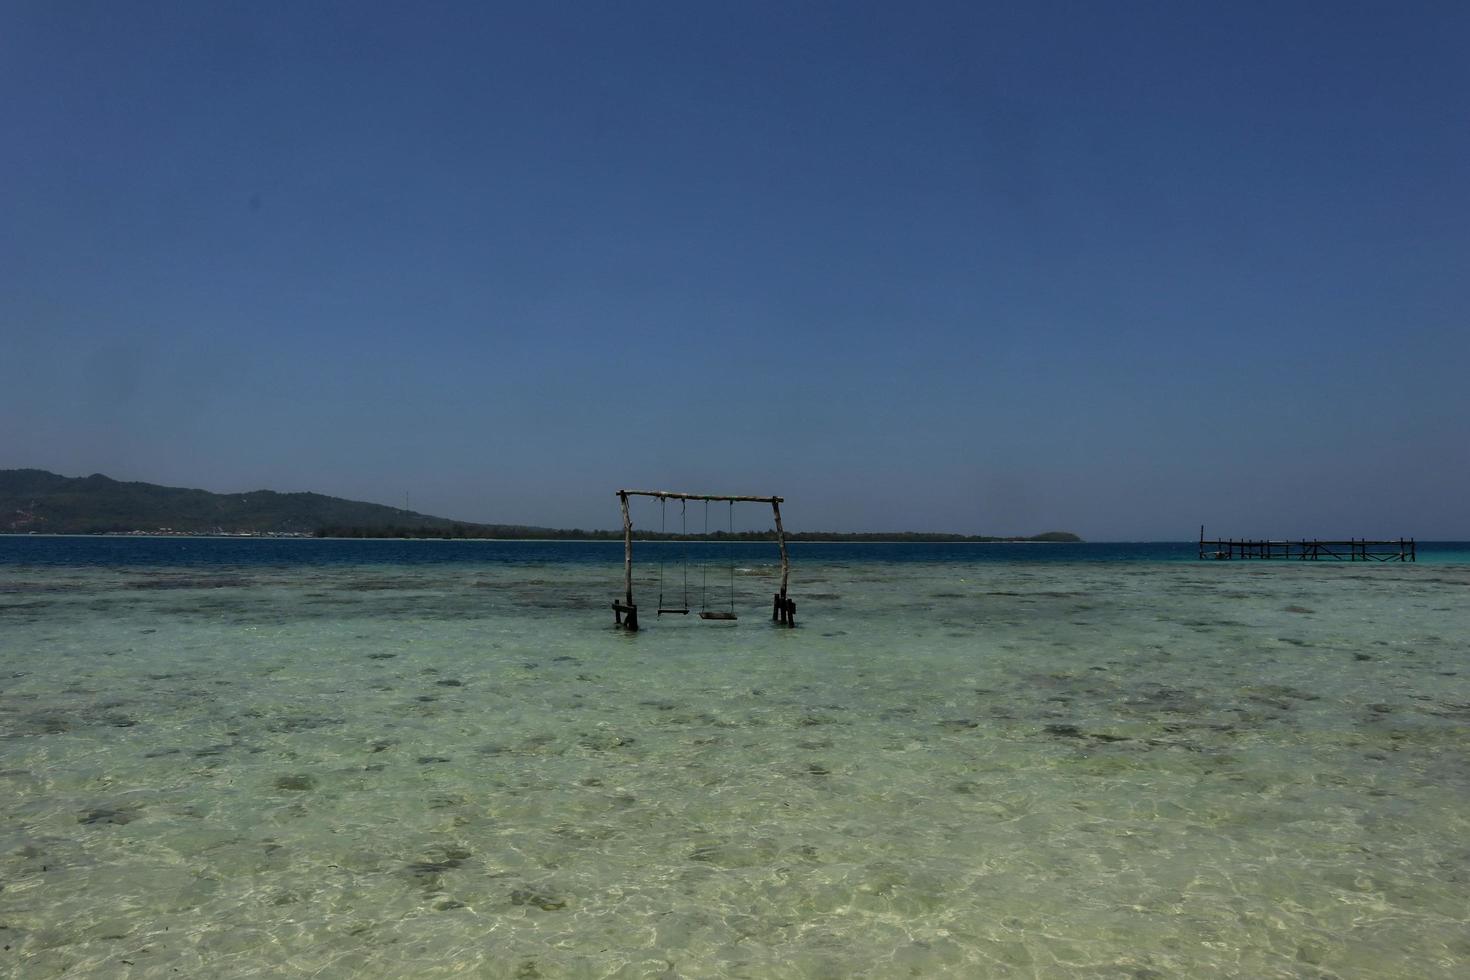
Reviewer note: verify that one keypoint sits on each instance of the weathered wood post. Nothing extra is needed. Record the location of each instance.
(785, 610)
(627, 551)
(631, 622)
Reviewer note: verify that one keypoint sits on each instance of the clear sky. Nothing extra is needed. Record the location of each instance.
(1118, 268)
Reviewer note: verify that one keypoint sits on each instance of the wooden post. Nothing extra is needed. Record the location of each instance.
(627, 551)
(781, 543)
(785, 564)
(631, 622)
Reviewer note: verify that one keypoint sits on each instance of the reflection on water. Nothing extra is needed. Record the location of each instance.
(1140, 769)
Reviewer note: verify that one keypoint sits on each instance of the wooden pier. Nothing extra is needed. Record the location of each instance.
(1308, 549)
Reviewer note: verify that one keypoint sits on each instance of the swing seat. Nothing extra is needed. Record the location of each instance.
(714, 614)
(672, 612)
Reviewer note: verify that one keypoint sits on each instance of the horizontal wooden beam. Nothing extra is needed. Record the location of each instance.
(670, 495)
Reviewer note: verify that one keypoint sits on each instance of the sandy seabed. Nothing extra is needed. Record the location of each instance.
(1140, 770)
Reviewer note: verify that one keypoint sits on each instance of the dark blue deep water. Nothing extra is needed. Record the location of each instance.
(16, 550)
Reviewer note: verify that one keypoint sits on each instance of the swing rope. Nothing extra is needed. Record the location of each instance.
(663, 554)
(661, 514)
(705, 612)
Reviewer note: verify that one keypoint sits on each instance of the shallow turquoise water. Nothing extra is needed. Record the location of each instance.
(953, 768)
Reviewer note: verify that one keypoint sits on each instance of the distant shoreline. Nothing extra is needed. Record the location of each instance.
(609, 537)
(38, 502)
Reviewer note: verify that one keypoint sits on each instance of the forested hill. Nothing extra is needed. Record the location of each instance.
(34, 500)
(42, 502)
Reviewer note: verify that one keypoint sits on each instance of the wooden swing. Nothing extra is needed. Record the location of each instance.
(625, 612)
(705, 612)
(684, 557)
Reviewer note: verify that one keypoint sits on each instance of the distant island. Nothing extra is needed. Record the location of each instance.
(37, 502)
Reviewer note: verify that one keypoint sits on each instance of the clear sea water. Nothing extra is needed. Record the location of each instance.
(381, 759)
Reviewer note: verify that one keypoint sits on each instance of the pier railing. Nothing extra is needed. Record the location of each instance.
(1309, 549)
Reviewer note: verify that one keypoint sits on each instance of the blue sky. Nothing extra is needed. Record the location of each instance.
(1114, 268)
